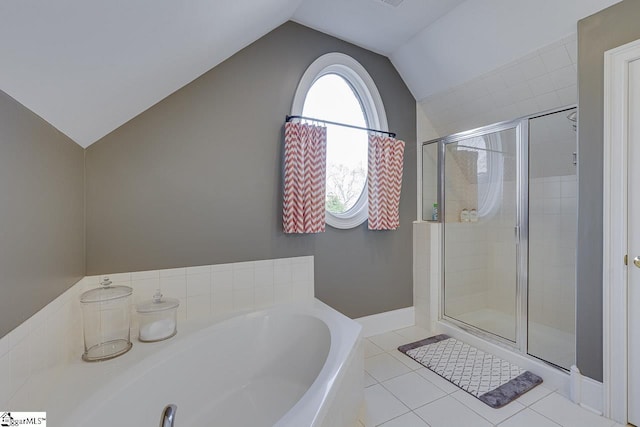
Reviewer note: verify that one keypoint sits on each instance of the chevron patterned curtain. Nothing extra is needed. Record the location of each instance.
(384, 180)
(305, 158)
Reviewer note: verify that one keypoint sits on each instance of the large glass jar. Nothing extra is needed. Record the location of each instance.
(106, 313)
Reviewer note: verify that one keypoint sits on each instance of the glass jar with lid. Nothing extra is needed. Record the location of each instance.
(464, 215)
(473, 215)
(106, 313)
(157, 318)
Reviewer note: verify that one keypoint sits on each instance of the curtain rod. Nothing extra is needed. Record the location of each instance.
(289, 118)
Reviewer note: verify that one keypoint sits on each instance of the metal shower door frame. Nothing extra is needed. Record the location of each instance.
(522, 229)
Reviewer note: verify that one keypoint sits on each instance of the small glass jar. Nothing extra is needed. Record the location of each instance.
(106, 313)
(158, 318)
(464, 215)
(473, 215)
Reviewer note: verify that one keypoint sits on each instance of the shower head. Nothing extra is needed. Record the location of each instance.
(573, 117)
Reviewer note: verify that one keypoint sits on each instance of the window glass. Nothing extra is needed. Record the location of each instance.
(332, 98)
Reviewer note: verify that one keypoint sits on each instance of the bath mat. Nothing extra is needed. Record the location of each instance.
(494, 381)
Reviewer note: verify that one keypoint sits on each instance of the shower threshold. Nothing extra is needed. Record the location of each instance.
(553, 345)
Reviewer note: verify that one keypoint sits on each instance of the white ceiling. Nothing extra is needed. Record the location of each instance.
(481, 35)
(89, 66)
(372, 24)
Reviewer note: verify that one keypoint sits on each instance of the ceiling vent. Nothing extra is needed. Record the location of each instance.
(394, 3)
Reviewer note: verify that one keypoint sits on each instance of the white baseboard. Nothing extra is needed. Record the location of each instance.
(387, 321)
(586, 392)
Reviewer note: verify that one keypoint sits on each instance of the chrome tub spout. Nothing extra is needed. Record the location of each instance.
(168, 416)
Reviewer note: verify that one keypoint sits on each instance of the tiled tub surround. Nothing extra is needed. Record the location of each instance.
(53, 336)
(221, 288)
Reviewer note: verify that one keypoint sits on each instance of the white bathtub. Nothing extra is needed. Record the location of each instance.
(290, 366)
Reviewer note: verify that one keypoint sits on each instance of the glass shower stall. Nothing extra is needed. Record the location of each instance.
(506, 196)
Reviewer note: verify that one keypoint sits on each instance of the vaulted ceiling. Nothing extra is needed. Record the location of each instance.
(89, 66)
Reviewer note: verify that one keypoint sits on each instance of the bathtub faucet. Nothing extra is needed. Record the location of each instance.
(168, 416)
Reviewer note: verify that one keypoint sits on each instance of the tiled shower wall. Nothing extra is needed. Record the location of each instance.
(479, 257)
(53, 336)
(466, 256)
(466, 271)
(501, 245)
(553, 225)
(539, 81)
(481, 263)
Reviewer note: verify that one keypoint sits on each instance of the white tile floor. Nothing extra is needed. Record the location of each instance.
(402, 393)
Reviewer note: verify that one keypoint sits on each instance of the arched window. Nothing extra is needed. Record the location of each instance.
(337, 88)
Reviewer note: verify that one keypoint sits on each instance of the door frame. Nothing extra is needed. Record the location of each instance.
(616, 143)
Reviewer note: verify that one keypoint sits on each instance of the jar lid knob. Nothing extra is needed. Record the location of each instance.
(105, 281)
(157, 297)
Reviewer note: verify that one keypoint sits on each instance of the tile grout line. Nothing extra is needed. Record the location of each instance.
(530, 408)
(403, 414)
(540, 413)
(479, 414)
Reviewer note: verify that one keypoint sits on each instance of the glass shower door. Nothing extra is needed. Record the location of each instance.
(553, 211)
(480, 231)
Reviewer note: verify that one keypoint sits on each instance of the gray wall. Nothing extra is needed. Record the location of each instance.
(196, 179)
(41, 213)
(598, 33)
